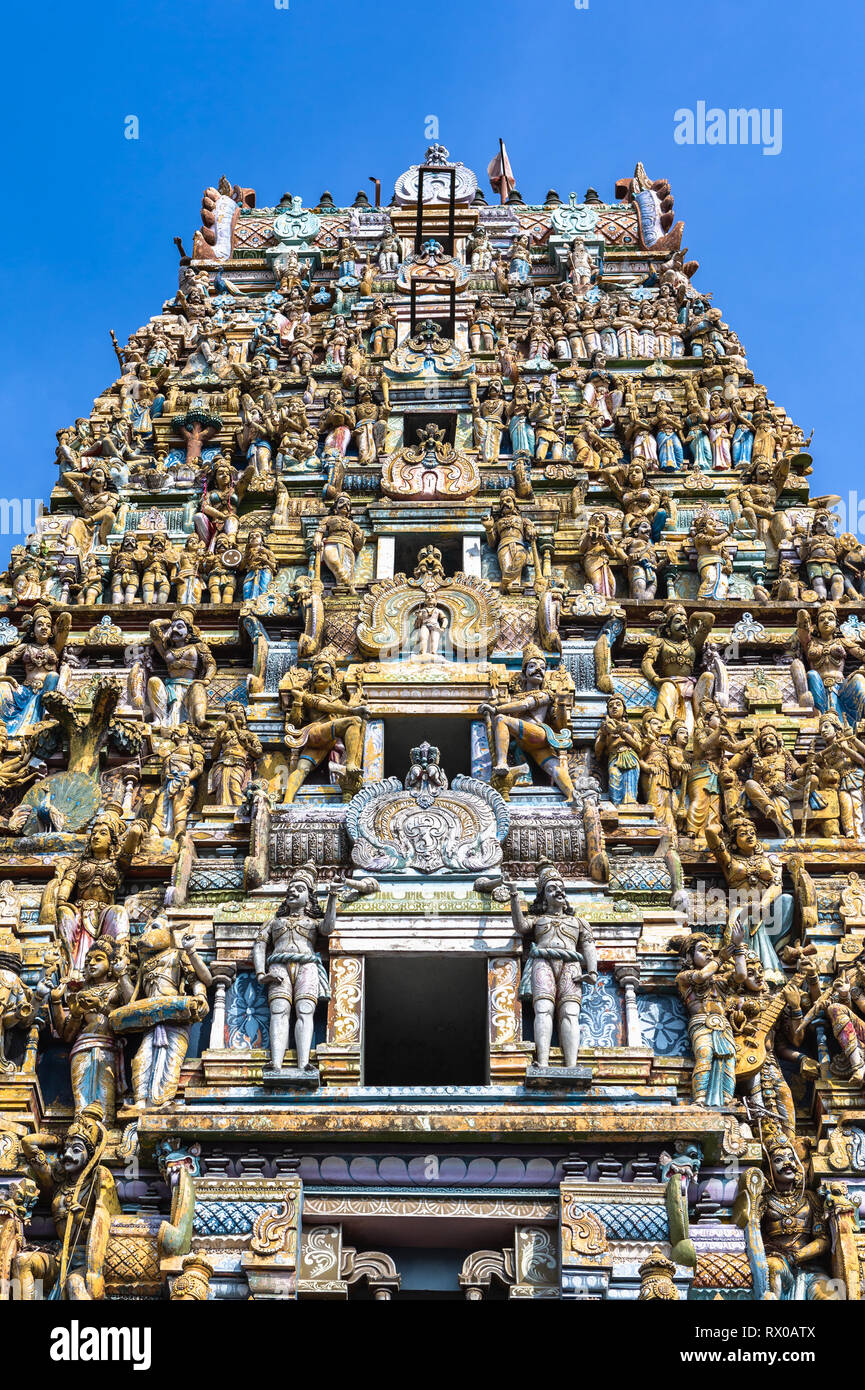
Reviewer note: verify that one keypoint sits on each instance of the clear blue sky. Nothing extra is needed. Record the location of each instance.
(326, 92)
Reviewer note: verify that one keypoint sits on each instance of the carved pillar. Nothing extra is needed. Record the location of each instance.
(509, 1055)
(628, 977)
(223, 973)
(339, 1058)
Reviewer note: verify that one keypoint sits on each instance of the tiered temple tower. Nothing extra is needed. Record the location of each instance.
(432, 783)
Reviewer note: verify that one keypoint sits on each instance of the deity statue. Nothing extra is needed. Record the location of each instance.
(387, 254)
(98, 499)
(125, 569)
(159, 566)
(670, 662)
(479, 250)
(788, 1237)
(79, 1009)
(221, 567)
(370, 424)
(620, 745)
(308, 596)
(84, 1199)
(843, 1006)
(536, 719)
(599, 552)
(630, 484)
(488, 420)
(322, 720)
(661, 769)
(508, 533)
(81, 899)
(23, 706)
(382, 330)
(758, 903)
(182, 763)
(218, 511)
(715, 550)
(19, 1004)
(825, 687)
(711, 740)
(170, 995)
(287, 963)
(562, 960)
(770, 771)
(545, 422)
(482, 328)
(258, 564)
(754, 503)
(182, 696)
(233, 756)
(580, 268)
(834, 778)
(643, 559)
(430, 624)
(821, 552)
(713, 1079)
(339, 541)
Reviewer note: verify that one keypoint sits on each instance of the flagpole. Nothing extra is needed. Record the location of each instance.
(503, 183)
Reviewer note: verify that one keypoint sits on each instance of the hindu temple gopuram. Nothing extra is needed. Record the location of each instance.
(432, 749)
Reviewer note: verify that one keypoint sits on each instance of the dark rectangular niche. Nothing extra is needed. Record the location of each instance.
(425, 1021)
(451, 734)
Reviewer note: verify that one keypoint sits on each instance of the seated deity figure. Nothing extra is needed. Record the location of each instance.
(535, 719)
(182, 696)
(834, 779)
(41, 653)
(479, 250)
(288, 965)
(339, 541)
(83, 1200)
(322, 720)
(827, 649)
(562, 961)
(842, 1003)
(98, 499)
(387, 254)
(770, 771)
(218, 511)
(790, 1241)
(81, 899)
(382, 330)
(507, 531)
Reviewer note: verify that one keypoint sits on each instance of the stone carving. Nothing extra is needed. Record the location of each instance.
(425, 826)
